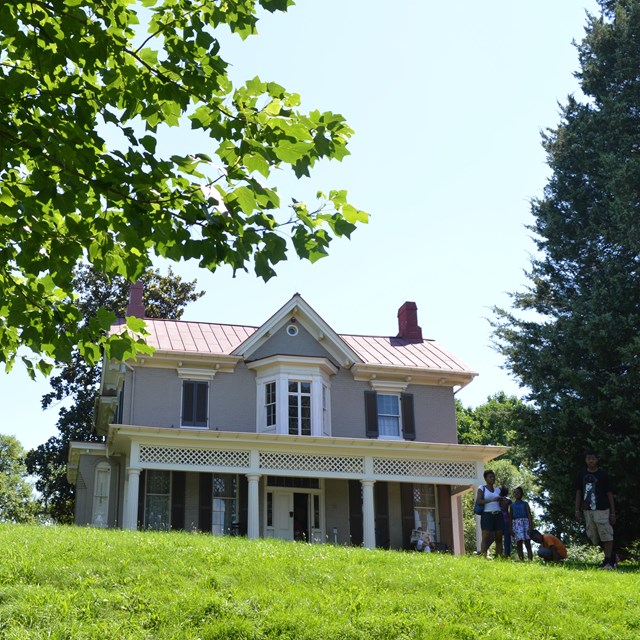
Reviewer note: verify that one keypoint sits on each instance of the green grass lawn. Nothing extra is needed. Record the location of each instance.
(69, 582)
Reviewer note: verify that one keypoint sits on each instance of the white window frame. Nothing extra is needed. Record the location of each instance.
(271, 384)
(397, 436)
(284, 369)
(299, 394)
(192, 426)
(100, 507)
(390, 388)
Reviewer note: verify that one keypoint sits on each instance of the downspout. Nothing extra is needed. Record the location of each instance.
(132, 392)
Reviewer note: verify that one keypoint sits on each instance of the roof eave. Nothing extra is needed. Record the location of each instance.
(413, 375)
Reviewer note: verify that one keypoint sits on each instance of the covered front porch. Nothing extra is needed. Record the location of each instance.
(322, 489)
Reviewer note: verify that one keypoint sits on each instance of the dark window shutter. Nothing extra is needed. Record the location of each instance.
(206, 497)
(371, 413)
(195, 402)
(355, 513)
(178, 489)
(141, 493)
(202, 395)
(381, 507)
(408, 420)
(188, 402)
(406, 507)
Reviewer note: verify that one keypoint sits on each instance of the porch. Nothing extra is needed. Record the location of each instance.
(351, 491)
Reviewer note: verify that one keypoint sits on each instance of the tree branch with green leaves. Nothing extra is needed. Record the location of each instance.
(87, 91)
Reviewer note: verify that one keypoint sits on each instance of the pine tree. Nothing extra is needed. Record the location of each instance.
(78, 380)
(573, 337)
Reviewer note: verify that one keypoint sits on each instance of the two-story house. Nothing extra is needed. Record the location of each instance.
(285, 430)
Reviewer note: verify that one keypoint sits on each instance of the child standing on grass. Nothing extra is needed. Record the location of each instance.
(521, 523)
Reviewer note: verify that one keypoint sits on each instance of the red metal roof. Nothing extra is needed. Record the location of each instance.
(397, 352)
(194, 337)
(186, 337)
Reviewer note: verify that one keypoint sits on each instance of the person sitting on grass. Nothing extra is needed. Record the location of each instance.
(550, 549)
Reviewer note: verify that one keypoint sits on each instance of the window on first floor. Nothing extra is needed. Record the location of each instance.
(195, 403)
(102, 481)
(225, 504)
(157, 500)
(425, 509)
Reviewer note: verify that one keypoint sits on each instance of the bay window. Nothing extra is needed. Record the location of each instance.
(294, 395)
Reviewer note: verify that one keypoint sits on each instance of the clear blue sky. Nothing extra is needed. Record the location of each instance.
(447, 101)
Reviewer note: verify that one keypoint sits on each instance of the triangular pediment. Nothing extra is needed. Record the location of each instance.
(298, 314)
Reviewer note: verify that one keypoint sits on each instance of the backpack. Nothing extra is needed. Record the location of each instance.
(478, 509)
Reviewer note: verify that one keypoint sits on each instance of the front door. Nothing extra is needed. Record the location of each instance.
(293, 515)
(301, 517)
(282, 514)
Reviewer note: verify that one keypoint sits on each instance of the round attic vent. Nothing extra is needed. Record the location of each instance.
(292, 330)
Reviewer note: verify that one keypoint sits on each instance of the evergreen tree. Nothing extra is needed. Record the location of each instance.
(78, 380)
(573, 337)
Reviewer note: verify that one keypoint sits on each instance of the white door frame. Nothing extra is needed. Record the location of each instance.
(282, 494)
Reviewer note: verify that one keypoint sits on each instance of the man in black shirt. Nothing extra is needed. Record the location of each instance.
(594, 502)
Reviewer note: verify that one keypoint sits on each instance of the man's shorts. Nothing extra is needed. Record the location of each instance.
(599, 528)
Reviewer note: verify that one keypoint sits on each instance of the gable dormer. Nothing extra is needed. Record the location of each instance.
(294, 355)
(292, 317)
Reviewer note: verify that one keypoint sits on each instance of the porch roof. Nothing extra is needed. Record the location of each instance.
(240, 452)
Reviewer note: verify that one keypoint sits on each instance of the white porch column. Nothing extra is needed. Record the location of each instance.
(253, 508)
(368, 515)
(130, 506)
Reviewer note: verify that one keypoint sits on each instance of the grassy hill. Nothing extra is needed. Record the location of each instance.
(68, 582)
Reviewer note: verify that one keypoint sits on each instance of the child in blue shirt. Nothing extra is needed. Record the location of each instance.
(521, 523)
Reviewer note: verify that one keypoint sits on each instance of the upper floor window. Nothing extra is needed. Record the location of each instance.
(299, 408)
(195, 403)
(270, 404)
(389, 415)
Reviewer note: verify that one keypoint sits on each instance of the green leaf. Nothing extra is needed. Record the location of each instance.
(245, 199)
(255, 162)
(353, 215)
(137, 325)
(292, 151)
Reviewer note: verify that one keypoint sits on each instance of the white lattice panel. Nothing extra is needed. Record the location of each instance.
(329, 464)
(194, 457)
(430, 468)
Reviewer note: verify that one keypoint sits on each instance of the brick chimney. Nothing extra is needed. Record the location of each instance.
(135, 307)
(408, 328)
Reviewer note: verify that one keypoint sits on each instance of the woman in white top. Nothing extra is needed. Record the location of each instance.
(491, 521)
